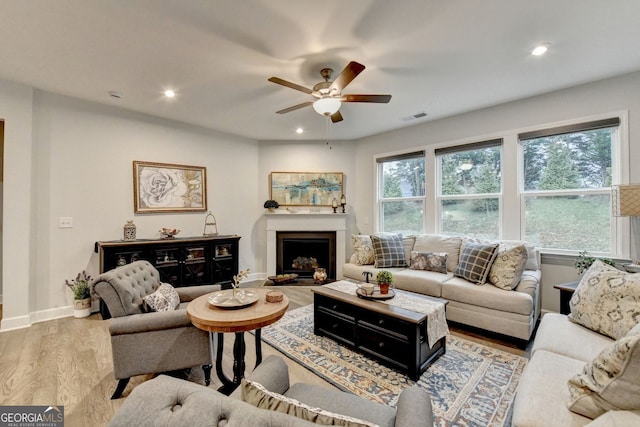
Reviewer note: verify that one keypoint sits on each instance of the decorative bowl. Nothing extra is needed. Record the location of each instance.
(169, 233)
(632, 268)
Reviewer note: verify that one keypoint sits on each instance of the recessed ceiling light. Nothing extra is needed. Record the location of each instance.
(169, 93)
(540, 49)
(299, 130)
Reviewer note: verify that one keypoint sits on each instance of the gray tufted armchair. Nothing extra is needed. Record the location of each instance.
(155, 342)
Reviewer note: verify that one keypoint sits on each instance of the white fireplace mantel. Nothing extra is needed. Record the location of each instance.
(311, 221)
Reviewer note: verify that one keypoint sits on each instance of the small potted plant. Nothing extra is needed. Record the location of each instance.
(81, 288)
(584, 261)
(271, 205)
(384, 279)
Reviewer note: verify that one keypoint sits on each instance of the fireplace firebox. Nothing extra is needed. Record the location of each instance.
(301, 252)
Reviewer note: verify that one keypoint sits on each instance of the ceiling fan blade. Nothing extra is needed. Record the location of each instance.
(336, 117)
(346, 76)
(295, 107)
(278, 80)
(383, 99)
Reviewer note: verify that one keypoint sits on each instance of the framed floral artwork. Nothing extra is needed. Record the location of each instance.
(164, 187)
(306, 188)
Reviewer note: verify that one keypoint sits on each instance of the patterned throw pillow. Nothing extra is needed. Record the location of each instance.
(508, 266)
(388, 250)
(362, 250)
(475, 261)
(610, 381)
(429, 261)
(607, 300)
(255, 394)
(165, 298)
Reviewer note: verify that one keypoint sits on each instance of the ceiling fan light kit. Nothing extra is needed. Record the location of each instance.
(329, 94)
(327, 106)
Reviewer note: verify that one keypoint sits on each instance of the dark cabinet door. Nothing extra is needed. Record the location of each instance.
(180, 261)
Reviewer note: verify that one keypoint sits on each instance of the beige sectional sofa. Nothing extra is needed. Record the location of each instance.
(560, 351)
(585, 367)
(511, 312)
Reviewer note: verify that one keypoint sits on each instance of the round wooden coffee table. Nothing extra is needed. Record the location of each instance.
(207, 317)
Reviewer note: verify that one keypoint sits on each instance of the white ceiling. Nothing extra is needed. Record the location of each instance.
(434, 56)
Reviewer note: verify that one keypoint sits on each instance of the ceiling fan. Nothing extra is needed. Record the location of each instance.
(328, 93)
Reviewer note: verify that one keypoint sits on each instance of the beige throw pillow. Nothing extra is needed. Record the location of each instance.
(611, 381)
(165, 298)
(255, 394)
(508, 266)
(362, 250)
(606, 300)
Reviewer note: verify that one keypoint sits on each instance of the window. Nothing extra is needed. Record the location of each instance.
(566, 179)
(401, 193)
(470, 189)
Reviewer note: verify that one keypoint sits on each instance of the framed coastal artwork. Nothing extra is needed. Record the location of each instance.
(306, 188)
(165, 187)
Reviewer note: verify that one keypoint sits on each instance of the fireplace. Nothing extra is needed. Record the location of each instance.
(301, 252)
(316, 222)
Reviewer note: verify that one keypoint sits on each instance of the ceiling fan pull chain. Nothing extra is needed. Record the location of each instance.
(329, 132)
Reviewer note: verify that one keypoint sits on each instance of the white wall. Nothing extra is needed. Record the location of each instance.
(18, 236)
(305, 156)
(82, 168)
(606, 96)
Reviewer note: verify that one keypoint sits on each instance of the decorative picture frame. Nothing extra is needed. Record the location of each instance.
(306, 188)
(166, 187)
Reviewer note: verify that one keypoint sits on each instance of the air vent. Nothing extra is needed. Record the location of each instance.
(415, 116)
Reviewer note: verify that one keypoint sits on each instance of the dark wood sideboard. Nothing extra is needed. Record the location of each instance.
(181, 261)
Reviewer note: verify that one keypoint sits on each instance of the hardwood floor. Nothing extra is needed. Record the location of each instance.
(68, 362)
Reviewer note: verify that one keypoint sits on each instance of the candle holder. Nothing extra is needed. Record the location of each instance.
(343, 202)
(334, 205)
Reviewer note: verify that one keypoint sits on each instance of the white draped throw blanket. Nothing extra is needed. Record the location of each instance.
(436, 317)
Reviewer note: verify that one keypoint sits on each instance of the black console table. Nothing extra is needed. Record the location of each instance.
(181, 261)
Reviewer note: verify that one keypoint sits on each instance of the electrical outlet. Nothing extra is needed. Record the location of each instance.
(65, 222)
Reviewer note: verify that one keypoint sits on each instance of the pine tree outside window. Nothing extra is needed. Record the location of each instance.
(470, 189)
(401, 193)
(566, 184)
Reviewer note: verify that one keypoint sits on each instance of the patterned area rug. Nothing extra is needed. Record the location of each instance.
(471, 385)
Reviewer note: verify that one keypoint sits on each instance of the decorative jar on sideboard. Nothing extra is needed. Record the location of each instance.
(129, 231)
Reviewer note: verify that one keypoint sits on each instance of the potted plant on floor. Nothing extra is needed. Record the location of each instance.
(384, 279)
(81, 288)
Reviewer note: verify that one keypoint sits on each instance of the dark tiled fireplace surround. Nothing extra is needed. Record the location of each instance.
(301, 252)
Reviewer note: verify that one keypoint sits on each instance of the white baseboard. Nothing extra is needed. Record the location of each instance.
(20, 322)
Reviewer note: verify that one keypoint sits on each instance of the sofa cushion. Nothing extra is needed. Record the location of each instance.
(557, 334)
(438, 243)
(429, 261)
(542, 396)
(420, 281)
(487, 295)
(508, 266)
(165, 298)
(607, 300)
(362, 250)
(609, 381)
(388, 249)
(475, 261)
(257, 395)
